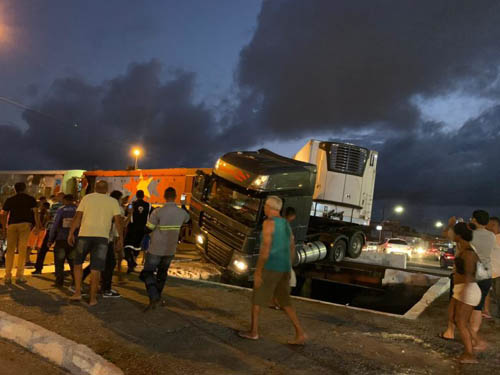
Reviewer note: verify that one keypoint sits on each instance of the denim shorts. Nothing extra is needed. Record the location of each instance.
(97, 247)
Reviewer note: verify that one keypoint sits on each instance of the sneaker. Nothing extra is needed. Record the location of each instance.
(111, 294)
(36, 272)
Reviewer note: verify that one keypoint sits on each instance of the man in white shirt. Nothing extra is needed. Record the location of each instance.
(484, 242)
(94, 216)
(494, 227)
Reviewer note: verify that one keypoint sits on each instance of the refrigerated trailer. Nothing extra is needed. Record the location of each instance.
(329, 184)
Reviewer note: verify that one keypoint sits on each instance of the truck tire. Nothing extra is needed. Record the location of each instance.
(356, 243)
(338, 251)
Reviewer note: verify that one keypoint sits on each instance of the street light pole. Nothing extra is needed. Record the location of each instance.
(136, 152)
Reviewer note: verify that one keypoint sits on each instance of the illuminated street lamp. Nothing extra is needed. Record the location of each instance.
(399, 209)
(438, 224)
(136, 152)
(379, 228)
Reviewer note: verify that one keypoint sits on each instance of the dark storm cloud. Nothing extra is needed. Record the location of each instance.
(337, 65)
(344, 67)
(81, 125)
(436, 167)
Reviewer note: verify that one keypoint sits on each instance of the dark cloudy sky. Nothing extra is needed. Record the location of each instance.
(189, 80)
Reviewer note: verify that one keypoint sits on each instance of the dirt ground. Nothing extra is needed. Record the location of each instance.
(196, 333)
(15, 360)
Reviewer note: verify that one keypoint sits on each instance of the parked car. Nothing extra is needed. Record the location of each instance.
(371, 246)
(447, 258)
(396, 246)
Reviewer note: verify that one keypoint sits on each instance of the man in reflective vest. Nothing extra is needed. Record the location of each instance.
(165, 224)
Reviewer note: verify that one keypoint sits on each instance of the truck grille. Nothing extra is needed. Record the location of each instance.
(345, 158)
(222, 240)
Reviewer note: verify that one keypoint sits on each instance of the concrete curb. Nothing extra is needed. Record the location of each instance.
(434, 292)
(76, 358)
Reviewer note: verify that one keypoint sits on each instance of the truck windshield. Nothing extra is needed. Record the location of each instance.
(239, 206)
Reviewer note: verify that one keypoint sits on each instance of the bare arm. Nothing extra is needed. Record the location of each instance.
(119, 229)
(470, 264)
(265, 248)
(292, 249)
(3, 217)
(447, 230)
(75, 224)
(38, 222)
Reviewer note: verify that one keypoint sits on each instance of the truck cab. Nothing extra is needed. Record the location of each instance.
(227, 207)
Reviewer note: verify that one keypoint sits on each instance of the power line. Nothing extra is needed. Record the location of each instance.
(23, 106)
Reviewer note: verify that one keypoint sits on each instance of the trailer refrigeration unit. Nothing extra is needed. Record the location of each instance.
(330, 185)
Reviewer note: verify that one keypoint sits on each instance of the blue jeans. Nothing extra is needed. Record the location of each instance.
(155, 283)
(62, 252)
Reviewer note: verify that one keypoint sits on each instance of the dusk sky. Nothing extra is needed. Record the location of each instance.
(190, 80)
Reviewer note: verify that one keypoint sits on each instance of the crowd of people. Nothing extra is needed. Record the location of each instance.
(109, 229)
(98, 225)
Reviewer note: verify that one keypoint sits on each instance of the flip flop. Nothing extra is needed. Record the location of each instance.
(246, 335)
(441, 336)
(467, 361)
(300, 343)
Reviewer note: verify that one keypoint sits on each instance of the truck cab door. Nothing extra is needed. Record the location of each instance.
(200, 184)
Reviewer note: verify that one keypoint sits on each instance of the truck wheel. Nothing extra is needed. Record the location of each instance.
(356, 245)
(338, 250)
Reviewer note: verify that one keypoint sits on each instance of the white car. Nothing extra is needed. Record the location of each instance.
(396, 246)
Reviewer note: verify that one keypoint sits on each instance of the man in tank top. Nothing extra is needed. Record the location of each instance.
(272, 274)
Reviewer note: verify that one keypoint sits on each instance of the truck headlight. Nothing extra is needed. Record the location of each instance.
(200, 239)
(260, 182)
(240, 265)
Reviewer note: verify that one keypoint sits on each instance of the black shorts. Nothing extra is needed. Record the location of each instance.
(485, 286)
(97, 247)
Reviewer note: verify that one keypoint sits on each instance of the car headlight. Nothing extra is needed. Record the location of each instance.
(200, 239)
(420, 250)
